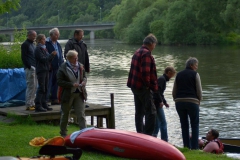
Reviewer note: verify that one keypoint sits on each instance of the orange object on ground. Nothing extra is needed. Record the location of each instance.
(41, 141)
(124, 144)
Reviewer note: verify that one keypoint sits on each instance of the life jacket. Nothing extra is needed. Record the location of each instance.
(221, 147)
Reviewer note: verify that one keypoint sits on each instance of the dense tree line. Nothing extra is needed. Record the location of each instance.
(178, 21)
(46, 12)
(172, 21)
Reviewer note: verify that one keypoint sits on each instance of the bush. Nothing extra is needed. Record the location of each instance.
(156, 27)
(233, 38)
(11, 54)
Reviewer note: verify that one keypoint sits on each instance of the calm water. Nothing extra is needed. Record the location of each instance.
(218, 69)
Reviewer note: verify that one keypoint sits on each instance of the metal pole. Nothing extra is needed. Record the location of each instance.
(58, 17)
(100, 14)
(7, 19)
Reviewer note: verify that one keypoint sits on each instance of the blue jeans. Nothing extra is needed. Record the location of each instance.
(144, 106)
(160, 124)
(191, 110)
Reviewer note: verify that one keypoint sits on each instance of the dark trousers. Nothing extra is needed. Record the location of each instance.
(144, 106)
(52, 86)
(40, 100)
(191, 110)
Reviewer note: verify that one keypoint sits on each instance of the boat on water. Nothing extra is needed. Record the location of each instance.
(231, 141)
(231, 145)
(123, 144)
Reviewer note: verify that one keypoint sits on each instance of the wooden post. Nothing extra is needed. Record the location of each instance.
(92, 120)
(112, 118)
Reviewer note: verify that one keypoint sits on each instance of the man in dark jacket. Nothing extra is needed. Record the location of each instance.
(77, 44)
(28, 59)
(53, 45)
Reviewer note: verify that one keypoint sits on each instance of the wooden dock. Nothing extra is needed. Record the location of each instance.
(94, 110)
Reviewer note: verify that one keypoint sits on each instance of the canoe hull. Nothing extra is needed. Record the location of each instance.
(126, 144)
(231, 141)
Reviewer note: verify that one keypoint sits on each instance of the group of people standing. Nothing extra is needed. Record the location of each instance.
(148, 91)
(49, 78)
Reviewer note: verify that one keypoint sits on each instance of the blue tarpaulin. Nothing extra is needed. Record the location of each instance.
(12, 85)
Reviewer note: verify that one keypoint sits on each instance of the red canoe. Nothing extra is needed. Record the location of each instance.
(124, 144)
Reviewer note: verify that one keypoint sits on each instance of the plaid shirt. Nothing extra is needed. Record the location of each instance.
(143, 70)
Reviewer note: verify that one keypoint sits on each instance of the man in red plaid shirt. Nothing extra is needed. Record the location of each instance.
(142, 80)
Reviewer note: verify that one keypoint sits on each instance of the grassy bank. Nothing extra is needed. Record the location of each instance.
(15, 136)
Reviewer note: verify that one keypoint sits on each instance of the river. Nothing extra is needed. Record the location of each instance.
(218, 69)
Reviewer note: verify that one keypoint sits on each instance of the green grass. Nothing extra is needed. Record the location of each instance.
(14, 139)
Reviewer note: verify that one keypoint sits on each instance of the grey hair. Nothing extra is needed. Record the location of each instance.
(150, 39)
(53, 31)
(191, 61)
(71, 53)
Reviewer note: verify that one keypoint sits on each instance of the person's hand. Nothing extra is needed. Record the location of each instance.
(76, 85)
(161, 105)
(33, 67)
(167, 105)
(83, 83)
(54, 53)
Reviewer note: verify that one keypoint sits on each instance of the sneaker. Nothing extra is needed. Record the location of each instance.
(31, 108)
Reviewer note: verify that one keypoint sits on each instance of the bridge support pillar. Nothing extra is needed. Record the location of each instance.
(11, 37)
(92, 35)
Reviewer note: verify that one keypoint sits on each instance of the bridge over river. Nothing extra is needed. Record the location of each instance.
(86, 26)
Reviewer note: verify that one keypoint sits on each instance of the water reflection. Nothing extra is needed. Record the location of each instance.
(218, 69)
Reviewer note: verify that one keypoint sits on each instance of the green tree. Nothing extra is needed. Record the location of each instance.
(156, 27)
(180, 23)
(17, 21)
(7, 5)
(231, 15)
(140, 27)
(84, 18)
(123, 14)
(208, 14)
